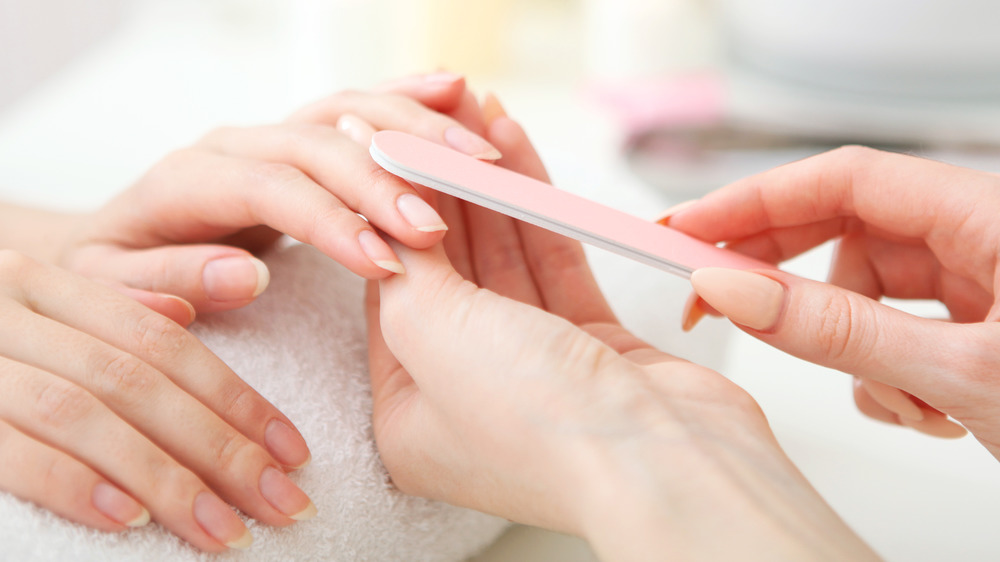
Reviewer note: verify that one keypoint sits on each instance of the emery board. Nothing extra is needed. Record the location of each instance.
(541, 204)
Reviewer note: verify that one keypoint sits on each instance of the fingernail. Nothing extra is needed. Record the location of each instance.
(894, 400)
(746, 298)
(492, 108)
(286, 445)
(118, 505)
(187, 306)
(419, 214)
(464, 140)
(379, 252)
(285, 496)
(693, 312)
(356, 128)
(937, 426)
(442, 77)
(664, 217)
(216, 519)
(235, 278)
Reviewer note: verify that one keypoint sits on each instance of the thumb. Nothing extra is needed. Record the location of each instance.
(836, 328)
(210, 277)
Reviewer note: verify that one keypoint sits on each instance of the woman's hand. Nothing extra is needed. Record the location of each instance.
(190, 225)
(111, 413)
(908, 228)
(562, 418)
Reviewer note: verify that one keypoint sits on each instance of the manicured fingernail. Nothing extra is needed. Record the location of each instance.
(746, 298)
(664, 217)
(216, 519)
(894, 400)
(286, 445)
(464, 140)
(379, 252)
(442, 77)
(492, 108)
(235, 278)
(419, 214)
(285, 496)
(937, 426)
(118, 505)
(356, 128)
(187, 306)
(693, 312)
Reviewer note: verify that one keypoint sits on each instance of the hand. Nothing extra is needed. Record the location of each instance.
(562, 418)
(111, 413)
(908, 228)
(189, 226)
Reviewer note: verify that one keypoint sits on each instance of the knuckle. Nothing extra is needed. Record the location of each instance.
(244, 405)
(61, 404)
(839, 331)
(232, 450)
(156, 336)
(13, 264)
(122, 375)
(275, 176)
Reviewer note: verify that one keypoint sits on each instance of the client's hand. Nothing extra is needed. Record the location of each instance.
(908, 228)
(188, 227)
(111, 413)
(564, 419)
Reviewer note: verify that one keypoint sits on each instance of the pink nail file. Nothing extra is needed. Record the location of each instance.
(523, 198)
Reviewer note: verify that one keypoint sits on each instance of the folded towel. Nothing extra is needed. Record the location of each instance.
(302, 345)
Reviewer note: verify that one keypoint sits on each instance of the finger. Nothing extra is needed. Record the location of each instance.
(211, 278)
(173, 307)
(400, 113)
(557, 264)
(387, 201)
(356, 129)
(440, 91)
(827, 325)
(58, 482)
(245, 193)
(871, 408)
(66, 417)
(233, 465)
(163, 345)
(870, 185)
(893, 400)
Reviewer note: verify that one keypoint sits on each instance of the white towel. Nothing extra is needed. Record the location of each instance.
(302, 345)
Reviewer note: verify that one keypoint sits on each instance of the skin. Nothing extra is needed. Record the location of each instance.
(131, 416)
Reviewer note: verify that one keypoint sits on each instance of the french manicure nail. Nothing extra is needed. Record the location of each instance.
(235, 278)
(664, 217)
(216, 519)
(419, 214)
(188, 306)
(279, 491)
(379, 252)
(746, 298)
(894, 400)
(464, 140)
(693, 312)
(286, 445)
(118, 505)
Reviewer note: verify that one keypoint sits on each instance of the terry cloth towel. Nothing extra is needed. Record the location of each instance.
(302, 345)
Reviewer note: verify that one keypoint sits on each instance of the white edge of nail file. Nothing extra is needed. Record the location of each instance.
(541, 204)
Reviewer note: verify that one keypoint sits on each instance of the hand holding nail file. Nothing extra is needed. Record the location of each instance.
(541, 204)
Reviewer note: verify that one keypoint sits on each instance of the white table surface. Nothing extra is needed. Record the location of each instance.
(91, 130)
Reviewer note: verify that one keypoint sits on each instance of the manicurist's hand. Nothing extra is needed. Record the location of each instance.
(503, 382)
(190, 225)
(111, 413)
(908, 228)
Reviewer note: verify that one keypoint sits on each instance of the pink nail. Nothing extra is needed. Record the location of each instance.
(464, 140)
(379, 252)
(235, 278)
(419, 214)
(216, 519)
(286, 445)
(118, 505)
(279, 491)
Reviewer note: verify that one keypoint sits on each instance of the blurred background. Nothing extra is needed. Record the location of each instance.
(638, 103)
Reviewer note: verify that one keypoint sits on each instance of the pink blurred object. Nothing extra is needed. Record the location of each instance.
(649, 104)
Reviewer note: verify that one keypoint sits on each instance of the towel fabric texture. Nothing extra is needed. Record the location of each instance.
(302, 345)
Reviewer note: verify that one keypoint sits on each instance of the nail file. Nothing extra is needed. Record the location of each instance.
(536, 202)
